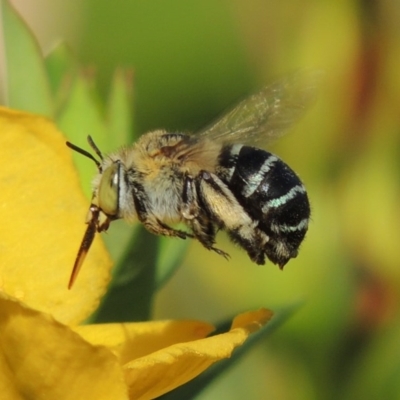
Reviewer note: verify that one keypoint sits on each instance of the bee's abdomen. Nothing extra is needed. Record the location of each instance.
(272, 195)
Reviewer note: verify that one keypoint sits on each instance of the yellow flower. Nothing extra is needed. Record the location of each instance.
(44, 354)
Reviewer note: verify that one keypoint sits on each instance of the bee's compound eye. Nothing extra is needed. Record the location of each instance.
(108, 190)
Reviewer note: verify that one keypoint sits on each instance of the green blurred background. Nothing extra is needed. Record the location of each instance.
(189, 61)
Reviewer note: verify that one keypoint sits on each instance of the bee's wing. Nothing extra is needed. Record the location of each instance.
(267, 114)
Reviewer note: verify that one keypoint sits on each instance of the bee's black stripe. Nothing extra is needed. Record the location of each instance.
(281, 181)
(260, 180)
(256, 179)
(247, 170)
(207, 177)
(293, 211)
(227, 162)
(288, 223)
(284, 228)
(277, 202)
(272, 194)
(139, 199)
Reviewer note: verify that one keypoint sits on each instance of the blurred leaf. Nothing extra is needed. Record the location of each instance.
(193, 388)
(369, 201)
(377, 372)
(118, 238)
(171, 254)
(62, 69)
(79, 118)
(119, 115)
(27, 83)
(130, 295)
(187, 56)
(146, 265)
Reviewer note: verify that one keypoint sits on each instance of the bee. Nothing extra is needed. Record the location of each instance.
(217, 179)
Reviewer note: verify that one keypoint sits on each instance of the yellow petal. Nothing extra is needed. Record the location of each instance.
(133, 340)
(42, 213)
(43, 359)
(252, 320)
(164, 370)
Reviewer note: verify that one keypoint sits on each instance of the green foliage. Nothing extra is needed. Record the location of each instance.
(27, 84)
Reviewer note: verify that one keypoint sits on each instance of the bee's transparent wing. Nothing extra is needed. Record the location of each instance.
(267, 114)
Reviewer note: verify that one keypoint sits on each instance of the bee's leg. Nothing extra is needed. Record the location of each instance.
(196, 217)
(172, 231)
(231, 216)
(154, 225)
(204, 231)
(150, 221)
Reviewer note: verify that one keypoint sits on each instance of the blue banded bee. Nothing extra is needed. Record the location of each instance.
(214, 180)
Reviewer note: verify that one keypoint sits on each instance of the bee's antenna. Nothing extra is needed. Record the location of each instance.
(86, 153)
(94, 147)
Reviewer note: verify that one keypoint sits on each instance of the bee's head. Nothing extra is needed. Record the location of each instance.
(107, 188)
(104, 207)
